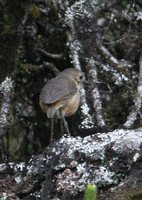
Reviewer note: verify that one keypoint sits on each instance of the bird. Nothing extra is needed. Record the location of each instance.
(60, 96)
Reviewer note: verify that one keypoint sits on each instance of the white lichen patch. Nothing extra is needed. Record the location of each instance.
(6, 85)
(77, 180)
(60, 166)
(136, 156)
(87, 122)
(4, 196)
(5, 115)
(75, 144)
(20, 167)
(37, 195)
(17, 167)
(119, 79)
(18, 179)
(139, 88)
(76, 10)
(31, 169)
(72, 180)
(121, 139)
(138, 15)
(128, 140)
(104, 176)
(94, 148)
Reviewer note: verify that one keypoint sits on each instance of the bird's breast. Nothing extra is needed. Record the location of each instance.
(72, 105)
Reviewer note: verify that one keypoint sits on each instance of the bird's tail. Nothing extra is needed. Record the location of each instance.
(51, 111)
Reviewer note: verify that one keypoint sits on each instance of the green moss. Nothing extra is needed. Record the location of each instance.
(9, 25)
(30, 148)
(117, 112)
(27, 67)
(138, 8)
(34, 10)
(124, 3)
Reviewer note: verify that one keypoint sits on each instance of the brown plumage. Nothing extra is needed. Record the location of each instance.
(60, 97)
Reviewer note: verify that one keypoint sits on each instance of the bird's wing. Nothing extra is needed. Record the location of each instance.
(57, 89)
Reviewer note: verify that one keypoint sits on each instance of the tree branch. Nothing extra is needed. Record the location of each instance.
(118, 64)
(74, 47)
(95, 93)
(104, 51)
(51, 55)
(5, 115)
(51, 67)
(138, 101)
(118, 68)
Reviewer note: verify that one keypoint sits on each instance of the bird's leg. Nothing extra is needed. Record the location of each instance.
(52, 127)
(61, 125)
(65, 123)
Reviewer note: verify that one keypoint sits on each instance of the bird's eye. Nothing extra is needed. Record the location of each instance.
(81, 77)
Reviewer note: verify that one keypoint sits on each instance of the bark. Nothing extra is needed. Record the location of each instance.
(136, 109)
(97, 104)
(5, 114)
(75, 48)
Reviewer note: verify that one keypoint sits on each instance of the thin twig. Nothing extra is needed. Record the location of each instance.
(51, 55)
(118, 64)
(51, 67)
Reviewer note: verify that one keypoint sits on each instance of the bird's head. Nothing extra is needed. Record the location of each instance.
(74, 74)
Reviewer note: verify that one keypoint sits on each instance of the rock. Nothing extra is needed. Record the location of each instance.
(112, 161)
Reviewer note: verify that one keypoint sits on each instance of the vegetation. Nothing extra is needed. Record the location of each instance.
(91, 192)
